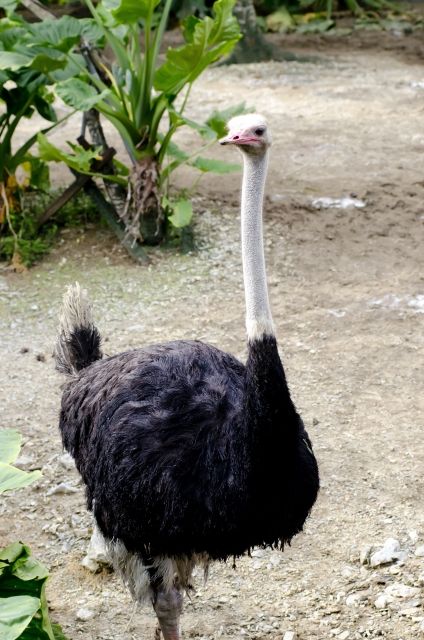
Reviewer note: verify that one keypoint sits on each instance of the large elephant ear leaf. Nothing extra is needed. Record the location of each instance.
(208, 40)
(130, 11)
(16, 612)
(61, 34)
(13, 61)
(225, 26)
(80, 95)
(12, 478)
(10, 445)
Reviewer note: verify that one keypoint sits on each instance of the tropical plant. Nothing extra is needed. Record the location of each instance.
(315, 16)
(23, 603)
(35, 239)
(33, 57)
(26, 71)
(139, 97)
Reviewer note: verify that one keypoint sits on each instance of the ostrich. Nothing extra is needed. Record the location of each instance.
(188, 455)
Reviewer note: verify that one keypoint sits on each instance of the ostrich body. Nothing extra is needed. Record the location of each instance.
(187, 454)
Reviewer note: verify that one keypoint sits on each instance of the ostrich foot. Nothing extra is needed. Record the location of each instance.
(168, 606)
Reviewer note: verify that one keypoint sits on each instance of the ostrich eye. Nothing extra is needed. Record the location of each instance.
(260, 131)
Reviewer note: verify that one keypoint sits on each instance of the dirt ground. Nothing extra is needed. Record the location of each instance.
(347, 292)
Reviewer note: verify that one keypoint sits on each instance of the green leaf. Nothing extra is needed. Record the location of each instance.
(204, 130)
(316, 26)
(121, 168)
(175, 151)
(24, 576)
(130, 11)
(58, 632)
(280, 20)
(209, 40)
(80, 160)
(60, 34)
(10, 445)
(40, 175)
(42, 62)
(30, 569)
(16, 613)
(8, 5)
(12, 552)
(182, 213)
(11, 60)
(188, 27)
(79, 94)
(40, 627)
(217, 166)
(219, 119)
(44, 108)
(12, 478)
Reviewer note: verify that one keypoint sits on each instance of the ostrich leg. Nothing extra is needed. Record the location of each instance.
(168, 606)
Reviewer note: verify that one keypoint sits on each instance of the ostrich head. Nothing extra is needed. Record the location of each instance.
(249, 133)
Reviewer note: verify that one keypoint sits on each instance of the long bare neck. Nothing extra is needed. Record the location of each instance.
(267, 402)
(258, 313)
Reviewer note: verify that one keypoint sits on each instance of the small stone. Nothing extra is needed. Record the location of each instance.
(389, 552)
(23, 461)
(290, 635)
(399, 590)
(411, 604)
(40, 357)
(354, 599)
(382, 601)
(24, 350)
(419, 551)
(84, 614)
(344, 635)
(394, 570)
(63, 487)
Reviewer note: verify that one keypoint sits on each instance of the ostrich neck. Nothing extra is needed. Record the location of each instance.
(267, 397)
(258, 312)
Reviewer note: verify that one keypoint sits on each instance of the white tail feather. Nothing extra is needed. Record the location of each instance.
(76, 317)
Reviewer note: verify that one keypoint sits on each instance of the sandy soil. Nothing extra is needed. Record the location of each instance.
(347, 293)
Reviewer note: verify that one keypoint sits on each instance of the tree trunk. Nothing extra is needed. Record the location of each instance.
(253, 47)
(139, 207)
(144, 217)
(116, 194)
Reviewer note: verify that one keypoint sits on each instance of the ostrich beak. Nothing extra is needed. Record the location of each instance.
(238, 139)
(226, 140)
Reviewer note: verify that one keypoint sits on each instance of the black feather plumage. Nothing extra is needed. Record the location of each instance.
(179, 457)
